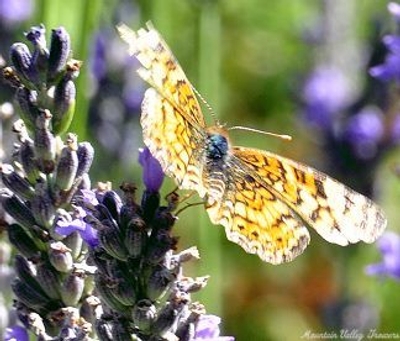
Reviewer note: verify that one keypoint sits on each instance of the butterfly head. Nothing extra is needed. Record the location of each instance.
(217, 146)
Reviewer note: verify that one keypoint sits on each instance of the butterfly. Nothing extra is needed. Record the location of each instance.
(263, 200)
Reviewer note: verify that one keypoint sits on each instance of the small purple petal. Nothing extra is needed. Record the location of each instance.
(389, 246)
(87, 232)
(207, 329)
(16, 333)
(89, 197)
(153, 174)
(392, 42)
(390, 69)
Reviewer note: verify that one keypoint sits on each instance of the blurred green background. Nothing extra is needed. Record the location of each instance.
(249, 59)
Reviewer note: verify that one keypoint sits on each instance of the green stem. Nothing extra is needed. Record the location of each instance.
(209, 86)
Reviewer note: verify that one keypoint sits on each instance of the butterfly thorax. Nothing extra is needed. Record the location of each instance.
(217, 144)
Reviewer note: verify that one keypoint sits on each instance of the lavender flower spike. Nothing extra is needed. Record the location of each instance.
(207, 329)
(389, 246)
(153, 174)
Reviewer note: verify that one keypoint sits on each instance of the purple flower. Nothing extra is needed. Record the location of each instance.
(91, 197)
(87, 232)
(390, 69)
(364, 131)
(15, 11)
(16, 333)
(389, 246)
(207, 329)
(153, 174)
(325, 94)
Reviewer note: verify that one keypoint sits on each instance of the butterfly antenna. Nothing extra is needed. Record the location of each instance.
(281, 136)
(208, 106)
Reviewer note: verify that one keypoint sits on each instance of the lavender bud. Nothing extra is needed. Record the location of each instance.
(159, 283)
(59, 52)
(73, 288)
(160, 242)
(125, 293)
(91, 309)
(136, 237)
(150, 203)
(25, 271)
(75, 243)
(186, 331)
(107, 294)
(85, 157)
(130, 208)
(23, 241)
(16, 183)
(165, 319)
(36, 36)
(120, 331)
(163, 219)
(21, 59)
(48, 279)
(64, 105)
(42, 206)
(26, 103)
(67, 332)
(103, 330)
(29, 295)
(67, 165)
(28, 161)
(113, 202)
(144, 314)
(60, 257)
(110, 240)
(45, 143)
(18, 210)
(85, 182)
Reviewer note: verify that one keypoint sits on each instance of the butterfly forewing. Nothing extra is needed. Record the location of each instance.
(171, 140)
(162, 71)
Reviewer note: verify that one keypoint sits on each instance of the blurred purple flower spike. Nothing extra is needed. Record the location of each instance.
(207, 329)
(15, 11)
(16, 333)
(364, 132)
(325, 94)
(99, 56)
(153, 174)
(389, 246)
